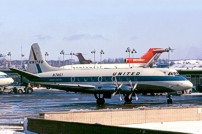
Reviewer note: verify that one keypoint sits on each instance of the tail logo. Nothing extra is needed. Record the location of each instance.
(37, 62)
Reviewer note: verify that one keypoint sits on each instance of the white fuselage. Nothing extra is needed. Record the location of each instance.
(148, 79)
(103, 66)
(5, 79)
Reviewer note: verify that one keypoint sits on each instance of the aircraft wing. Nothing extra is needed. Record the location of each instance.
(70, 87)
(80, 87)
(24, 73)
(83, 88)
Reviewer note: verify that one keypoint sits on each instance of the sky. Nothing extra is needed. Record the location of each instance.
(108, 25)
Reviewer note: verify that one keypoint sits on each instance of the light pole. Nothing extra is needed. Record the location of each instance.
(22, 55)
(46, 54)
(93, 52)
(63, 53)
(169, 49)
(128, 51)
(9, 54)
(133, 51)
(70, 61)
(71, 56)
(101, 53)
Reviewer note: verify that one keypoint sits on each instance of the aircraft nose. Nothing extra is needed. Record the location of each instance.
(188, 85)
(11, 81)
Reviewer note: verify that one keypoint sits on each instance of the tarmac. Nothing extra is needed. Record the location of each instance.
(17, 108)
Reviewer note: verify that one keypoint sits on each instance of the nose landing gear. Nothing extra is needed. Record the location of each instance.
(128, 100)
(169, 100)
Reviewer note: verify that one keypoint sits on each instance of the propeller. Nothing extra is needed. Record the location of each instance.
(133, 87)
(118, 87)
(120, 98)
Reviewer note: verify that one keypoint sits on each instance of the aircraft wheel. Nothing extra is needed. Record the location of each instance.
(15, 90)
(29, 90)
(100, 101)
(169, 101)
(127, 99)
(20, 91)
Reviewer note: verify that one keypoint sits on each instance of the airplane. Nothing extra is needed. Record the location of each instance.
(82, 60)
(150, 57)
(146, 60)
(105, 83)
(5, 80)
(152, 54)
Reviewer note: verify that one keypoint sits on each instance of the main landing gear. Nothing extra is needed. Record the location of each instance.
(100, 100)
(169, 100)
(127, 99)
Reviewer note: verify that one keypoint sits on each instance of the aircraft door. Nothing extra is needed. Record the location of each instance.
(72, 79)
(100, 79)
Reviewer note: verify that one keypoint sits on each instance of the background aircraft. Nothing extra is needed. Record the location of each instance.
(35, 49)
(5, 80)
(105, 83)
(149, 58)
(152, 54)
(82, 60)
(145, 61)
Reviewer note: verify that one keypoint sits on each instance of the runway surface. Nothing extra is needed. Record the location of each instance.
(14, 108)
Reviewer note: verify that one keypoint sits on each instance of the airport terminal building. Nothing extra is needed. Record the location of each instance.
(195, 76)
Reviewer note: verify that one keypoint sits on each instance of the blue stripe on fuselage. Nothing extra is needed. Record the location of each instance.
(109, 79)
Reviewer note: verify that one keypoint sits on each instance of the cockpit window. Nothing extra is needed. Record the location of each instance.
(176, 73)
(170, 73)
(173, 73)
(3, 76)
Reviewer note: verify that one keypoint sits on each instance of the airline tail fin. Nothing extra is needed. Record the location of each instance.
(82, 60)
(151, 55)
(36, 63)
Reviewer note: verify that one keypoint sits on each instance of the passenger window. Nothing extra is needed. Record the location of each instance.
(100, 79)
(85, 79)
(92, 79)
(118, 78)
(113, 79)
(72, 79)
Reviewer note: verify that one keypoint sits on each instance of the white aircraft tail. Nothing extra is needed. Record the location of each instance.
(37, 63)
